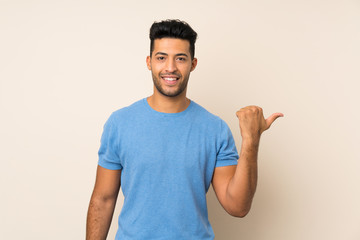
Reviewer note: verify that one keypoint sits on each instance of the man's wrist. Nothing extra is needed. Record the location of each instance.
(250, 144)
(251, 140)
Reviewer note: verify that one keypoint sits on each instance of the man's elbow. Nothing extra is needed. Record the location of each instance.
(239, 212)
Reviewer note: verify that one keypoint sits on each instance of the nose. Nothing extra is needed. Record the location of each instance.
(170, 65)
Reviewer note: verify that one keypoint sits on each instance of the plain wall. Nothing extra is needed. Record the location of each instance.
(66, 65)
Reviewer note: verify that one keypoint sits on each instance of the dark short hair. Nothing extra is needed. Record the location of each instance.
(173, 28)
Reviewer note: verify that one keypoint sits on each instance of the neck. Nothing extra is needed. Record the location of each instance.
(165, 104)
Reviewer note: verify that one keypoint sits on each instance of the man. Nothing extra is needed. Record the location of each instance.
(165, 150)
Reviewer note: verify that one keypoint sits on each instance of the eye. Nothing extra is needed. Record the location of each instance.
(160, 58)
(181, 59)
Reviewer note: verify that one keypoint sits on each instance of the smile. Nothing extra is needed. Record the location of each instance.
(170, 80)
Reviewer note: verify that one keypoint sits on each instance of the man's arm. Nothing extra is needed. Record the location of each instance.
(235, 186)
(102, 203)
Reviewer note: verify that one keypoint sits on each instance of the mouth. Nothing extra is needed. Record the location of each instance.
(170, 80)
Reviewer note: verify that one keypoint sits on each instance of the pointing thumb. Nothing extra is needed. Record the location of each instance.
(272, 118)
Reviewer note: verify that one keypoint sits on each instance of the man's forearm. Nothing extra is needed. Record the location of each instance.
(240, 189)
(242, 186)
(99, 218)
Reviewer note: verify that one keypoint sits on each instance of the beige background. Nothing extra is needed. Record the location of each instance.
(66, 65)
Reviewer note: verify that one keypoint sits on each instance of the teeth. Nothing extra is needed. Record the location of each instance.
(170, 79)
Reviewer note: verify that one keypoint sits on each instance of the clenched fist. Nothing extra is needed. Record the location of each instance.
(252, 122)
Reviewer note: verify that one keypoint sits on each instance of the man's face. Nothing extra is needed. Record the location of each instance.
(170, 65)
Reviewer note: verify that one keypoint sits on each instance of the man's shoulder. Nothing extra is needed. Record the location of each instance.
(129, 111)
(205, 114)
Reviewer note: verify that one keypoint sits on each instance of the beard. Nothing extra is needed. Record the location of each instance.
(173, 92)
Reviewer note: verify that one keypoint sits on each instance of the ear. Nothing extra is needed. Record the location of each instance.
(193, 64)
(148, 62)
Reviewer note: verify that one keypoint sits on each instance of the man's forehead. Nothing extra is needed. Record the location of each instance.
(171, 45)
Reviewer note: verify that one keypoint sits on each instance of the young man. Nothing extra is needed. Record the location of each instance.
(165, 150)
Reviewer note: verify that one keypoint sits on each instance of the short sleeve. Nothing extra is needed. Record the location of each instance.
(227, 153)
(109, 147)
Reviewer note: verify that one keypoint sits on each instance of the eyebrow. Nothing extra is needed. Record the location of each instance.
(179, 54)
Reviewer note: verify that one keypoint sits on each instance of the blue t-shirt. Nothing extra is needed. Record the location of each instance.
(167, 162)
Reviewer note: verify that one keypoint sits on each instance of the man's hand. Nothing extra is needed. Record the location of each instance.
(252, 122)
